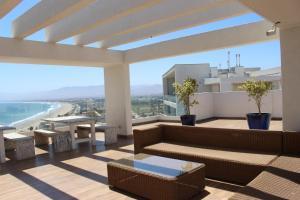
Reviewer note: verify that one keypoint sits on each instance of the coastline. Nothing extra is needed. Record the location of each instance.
(35, 120)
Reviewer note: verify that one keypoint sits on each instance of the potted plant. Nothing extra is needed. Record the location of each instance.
(257, 90)
(184, 91)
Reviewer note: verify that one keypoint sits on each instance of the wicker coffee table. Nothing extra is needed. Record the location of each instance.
(155, 177)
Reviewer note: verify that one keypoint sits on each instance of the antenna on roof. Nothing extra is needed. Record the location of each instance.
(228, 59)
(228, 63)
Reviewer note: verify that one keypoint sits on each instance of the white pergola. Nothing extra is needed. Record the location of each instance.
(117, 22)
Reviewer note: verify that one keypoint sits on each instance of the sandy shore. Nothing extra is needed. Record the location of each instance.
(35, 121)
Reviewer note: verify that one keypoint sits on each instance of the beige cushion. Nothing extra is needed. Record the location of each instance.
(218, 154)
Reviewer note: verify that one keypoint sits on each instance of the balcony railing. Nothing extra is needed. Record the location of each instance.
(170, 98)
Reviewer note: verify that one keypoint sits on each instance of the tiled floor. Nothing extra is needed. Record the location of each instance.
(82, 174)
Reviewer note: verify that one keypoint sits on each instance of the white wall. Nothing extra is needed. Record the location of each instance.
(195, 71)
(235, 104)
(155, 118)
(290, 58)
(227, 83)
(205, 108)
(226, 104)
(277, 103)
(145, 119)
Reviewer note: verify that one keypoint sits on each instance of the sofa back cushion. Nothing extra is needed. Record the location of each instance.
(291, 143)
(249, 140)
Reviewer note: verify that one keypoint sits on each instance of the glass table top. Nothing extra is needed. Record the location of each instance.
(166, 167)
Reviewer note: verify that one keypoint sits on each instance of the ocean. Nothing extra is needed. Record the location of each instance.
(15, 112)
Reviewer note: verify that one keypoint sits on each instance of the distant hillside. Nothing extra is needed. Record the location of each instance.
(81, 92)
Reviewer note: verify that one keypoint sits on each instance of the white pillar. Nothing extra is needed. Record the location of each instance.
(118, 98)
(290, 62)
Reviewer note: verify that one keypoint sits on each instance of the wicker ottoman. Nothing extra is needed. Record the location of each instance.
(155, 177)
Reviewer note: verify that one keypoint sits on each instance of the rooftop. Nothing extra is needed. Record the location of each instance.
(71, 29)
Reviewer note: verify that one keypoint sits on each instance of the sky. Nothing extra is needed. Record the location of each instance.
(24, 78)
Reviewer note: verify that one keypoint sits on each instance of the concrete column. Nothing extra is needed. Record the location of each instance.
(290, 59)
(118, 98)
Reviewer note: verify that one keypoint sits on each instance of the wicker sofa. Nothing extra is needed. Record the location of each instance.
(231, 155)
(281, 179)
(267, 162)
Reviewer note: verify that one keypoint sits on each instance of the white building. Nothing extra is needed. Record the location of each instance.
(212, 79)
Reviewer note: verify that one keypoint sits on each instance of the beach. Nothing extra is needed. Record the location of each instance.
(35, 121)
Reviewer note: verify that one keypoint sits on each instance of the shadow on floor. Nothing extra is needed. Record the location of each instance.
(41, 186)
(82, 172)
(125, 150)
(49, 157)
(46, 156)
(258, 194)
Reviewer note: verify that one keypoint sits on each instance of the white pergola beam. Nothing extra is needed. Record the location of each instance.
(7, 5)
(195, 19)
(32, 52)
(286, 12)
(102, 11)
(164, 11)
(219, 39)
(44, 14)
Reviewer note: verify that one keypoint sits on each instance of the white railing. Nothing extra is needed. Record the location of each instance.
(225, 104)
(155, 118)
(171, 98)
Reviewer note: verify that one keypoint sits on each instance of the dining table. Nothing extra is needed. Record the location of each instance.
(72, 122)
(2, 146)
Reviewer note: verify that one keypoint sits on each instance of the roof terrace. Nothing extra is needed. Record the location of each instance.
(82, 173)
